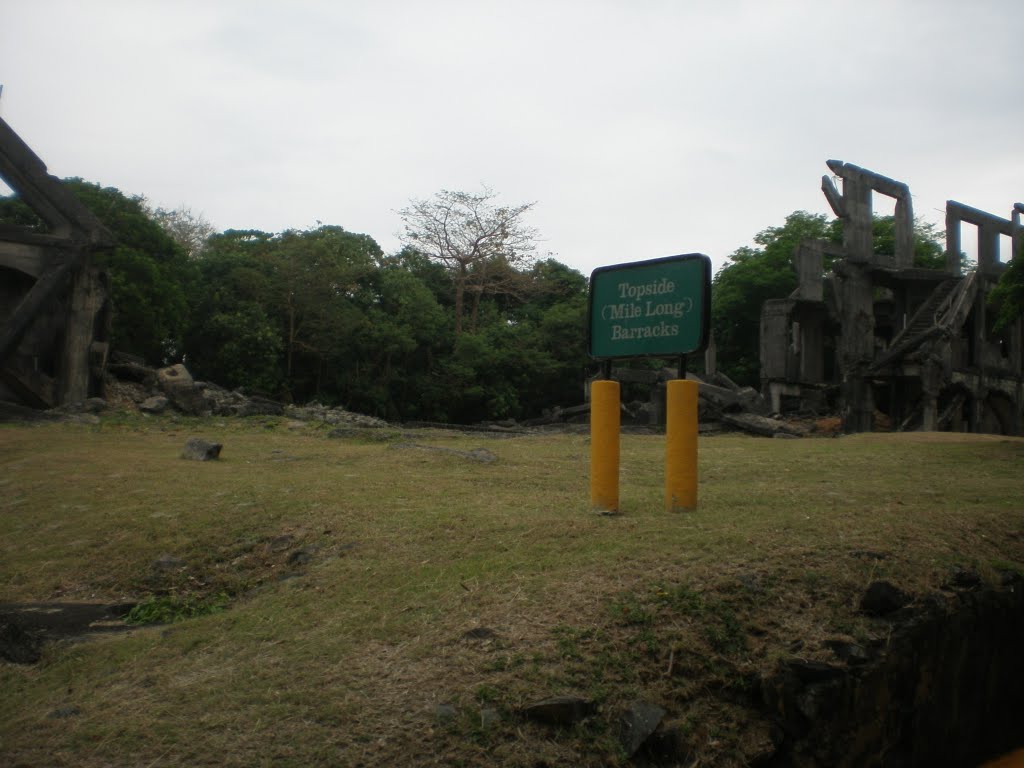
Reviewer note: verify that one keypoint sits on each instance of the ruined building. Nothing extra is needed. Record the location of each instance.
(54, 303)
(875, 335)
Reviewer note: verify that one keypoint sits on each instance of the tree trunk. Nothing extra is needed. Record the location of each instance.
(460, 295)
(475, 310)
(291, 337)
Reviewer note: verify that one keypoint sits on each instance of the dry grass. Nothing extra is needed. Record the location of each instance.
(344, 659)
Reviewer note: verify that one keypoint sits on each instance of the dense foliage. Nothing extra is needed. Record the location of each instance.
(463, 324)
(150, 274)
(1008, 298)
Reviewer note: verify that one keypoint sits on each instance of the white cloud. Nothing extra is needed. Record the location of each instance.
(641, 129)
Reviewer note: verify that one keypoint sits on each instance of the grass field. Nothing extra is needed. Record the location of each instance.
(371, 603)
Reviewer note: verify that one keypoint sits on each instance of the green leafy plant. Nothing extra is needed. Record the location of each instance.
(167, 609)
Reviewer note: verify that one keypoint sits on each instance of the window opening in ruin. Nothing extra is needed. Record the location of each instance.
(1005, 249)
(15, 212)
(1001, 339)
(790, 403)
(884, 231)
(954, 409)
(997, 414)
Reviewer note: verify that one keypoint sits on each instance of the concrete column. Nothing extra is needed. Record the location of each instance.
(929, 413)
(988, 250)
(858, 233)
(856, 347)
(952, 241)
(904, 225)
(85, 303)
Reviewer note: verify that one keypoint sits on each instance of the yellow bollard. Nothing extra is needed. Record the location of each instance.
(681, 445)
(604, 445)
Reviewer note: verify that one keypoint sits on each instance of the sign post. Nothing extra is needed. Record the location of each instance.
(655, 308)
(604, 445)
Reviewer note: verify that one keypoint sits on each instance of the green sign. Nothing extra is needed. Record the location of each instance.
(656, 308)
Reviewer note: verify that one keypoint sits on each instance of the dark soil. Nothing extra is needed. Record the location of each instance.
(26, 627)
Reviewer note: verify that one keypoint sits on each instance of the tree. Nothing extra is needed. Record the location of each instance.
(149, 274)
(752, 276)
(311, 287)
(1007, 300)
(189, 230)
(928, 251)
(231, 338)
(474, 239)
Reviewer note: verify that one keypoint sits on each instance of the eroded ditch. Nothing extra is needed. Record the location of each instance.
(945, 687)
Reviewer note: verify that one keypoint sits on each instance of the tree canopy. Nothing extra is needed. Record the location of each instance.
(464, 323)
(324, 314)
(480, 243)
(1007, 300)
(150, 276)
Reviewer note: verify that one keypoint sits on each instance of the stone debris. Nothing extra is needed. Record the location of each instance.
(333, 416)
(179, 387)
(882, 598)
(155, 404)
(560, 710)
(637, 723)
(198, 449)
(761, 425)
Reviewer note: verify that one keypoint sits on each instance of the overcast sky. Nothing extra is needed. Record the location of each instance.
(641, 129)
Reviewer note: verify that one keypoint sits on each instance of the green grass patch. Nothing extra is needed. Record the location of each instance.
(356, 569)
(167, 609)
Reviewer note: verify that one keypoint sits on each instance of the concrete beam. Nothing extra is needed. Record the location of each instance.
(52, 280)
(877, 182)
(978, 217)
(835, 200)
(30, 259)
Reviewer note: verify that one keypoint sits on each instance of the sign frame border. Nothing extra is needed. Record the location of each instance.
(705, 333)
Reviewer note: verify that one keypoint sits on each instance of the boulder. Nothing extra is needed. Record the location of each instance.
(198, 449)
(882, 598)
(156, 404)
(260, 406)
(220, 401)
(177, 383)
(560, 710)
(637, 723)
(335, 416)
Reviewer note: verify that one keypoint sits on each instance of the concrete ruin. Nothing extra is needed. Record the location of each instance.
(54, 302)
(884, 341)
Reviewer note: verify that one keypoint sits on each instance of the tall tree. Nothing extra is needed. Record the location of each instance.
(150, 274)
(232, 338)
(188, 229)
(752, 276)
(473, 237)
(311, 286)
